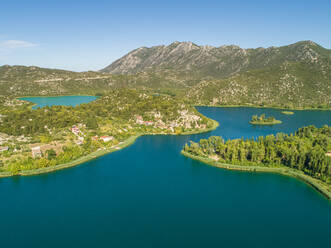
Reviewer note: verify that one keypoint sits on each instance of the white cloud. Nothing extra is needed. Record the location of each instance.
(14, 44)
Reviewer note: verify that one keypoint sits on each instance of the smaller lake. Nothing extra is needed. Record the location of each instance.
(58, 100)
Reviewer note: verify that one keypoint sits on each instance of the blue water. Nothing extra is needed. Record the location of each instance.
(58, 100)
(149, 195)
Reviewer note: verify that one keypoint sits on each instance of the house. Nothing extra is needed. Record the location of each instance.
(75, 130)
(148, 123)
(95, 138)
(139, 119)
(106, 138)
(80, 140)
(36, 152)
(3, 148)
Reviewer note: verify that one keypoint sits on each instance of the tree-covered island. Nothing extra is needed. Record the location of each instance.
(305, 154)
(263, 120)
(39, 140)
(287, 112)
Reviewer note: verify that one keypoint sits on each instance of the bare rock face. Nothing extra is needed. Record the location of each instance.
(212, 61)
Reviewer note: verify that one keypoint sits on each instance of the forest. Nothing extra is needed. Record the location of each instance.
(305, 150)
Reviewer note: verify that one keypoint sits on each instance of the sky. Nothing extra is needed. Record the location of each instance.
(89, 35)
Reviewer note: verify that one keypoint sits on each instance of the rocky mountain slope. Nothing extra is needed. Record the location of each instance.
(297, 75)
(208, 61)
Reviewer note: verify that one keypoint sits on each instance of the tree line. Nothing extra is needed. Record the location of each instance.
(305, 150)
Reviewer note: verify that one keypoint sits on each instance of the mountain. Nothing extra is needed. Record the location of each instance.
(289, 85)
(294, 76)
(216, 62)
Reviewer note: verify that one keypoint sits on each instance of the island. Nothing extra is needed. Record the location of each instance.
(263, 120)
(287, 112)
(304, 155)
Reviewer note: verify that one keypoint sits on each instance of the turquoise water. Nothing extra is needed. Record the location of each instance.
(58, 100)
(149, 195)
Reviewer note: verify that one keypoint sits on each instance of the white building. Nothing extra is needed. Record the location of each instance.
(36, 152)
(3, 148)
(106, 138)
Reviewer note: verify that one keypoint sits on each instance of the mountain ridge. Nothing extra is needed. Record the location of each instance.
(213, 61)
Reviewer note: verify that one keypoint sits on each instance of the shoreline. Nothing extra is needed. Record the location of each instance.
(204, 105)
(265, 107)
(18, 97)
(36, 104)
(99, 153)
(78, 161)
(318, 185)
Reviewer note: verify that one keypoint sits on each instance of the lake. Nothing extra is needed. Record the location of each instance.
(58, 100)
(149, 195)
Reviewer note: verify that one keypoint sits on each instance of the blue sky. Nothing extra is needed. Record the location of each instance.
(89, 35)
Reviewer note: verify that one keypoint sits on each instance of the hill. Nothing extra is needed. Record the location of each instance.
(32, 81)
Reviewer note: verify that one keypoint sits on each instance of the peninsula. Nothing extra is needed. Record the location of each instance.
(303, 155)
(50, 138)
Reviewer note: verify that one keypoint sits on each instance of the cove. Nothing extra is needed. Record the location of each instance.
(149, 195)
(58, 100)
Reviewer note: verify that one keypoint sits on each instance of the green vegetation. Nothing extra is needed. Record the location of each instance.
(304, 152)
(263, 120)
(36, 81)
(295, 85)
(287, 112)
(296, 76)
(51, 136)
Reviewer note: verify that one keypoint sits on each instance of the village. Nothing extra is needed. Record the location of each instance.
(80, 134)
(185, 120)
